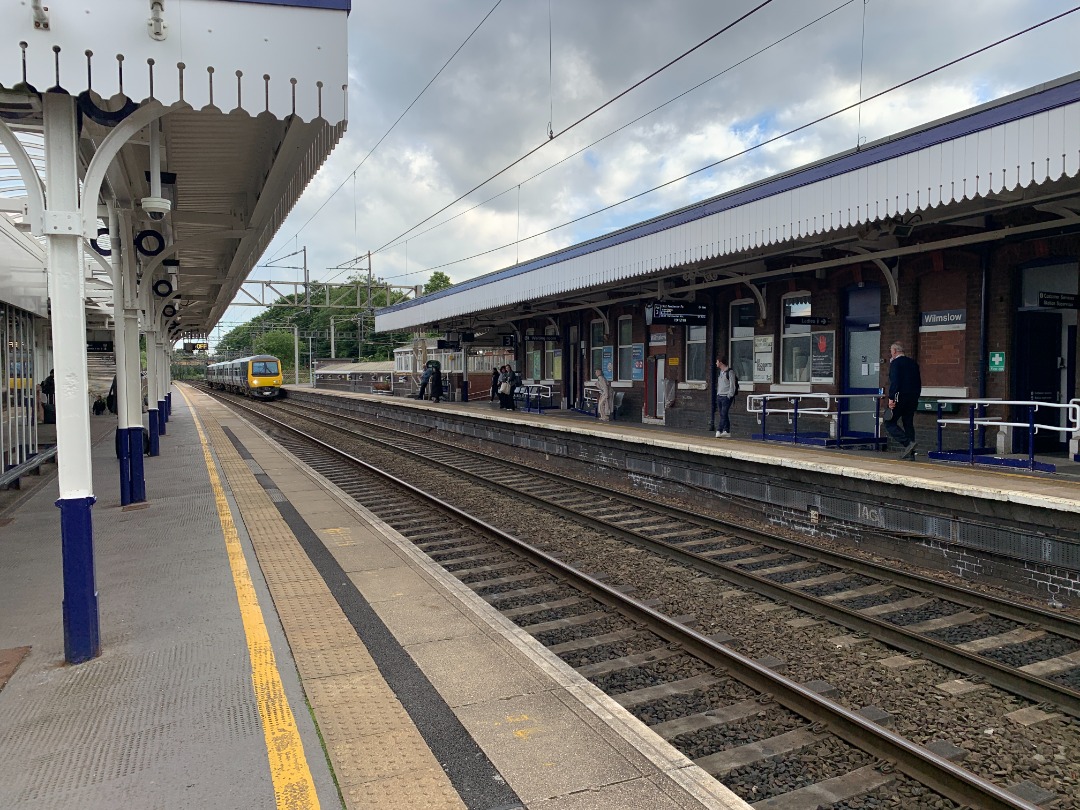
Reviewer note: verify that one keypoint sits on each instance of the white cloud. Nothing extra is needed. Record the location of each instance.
(491, 105)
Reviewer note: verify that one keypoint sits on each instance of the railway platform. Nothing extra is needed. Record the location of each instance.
(1015, 530)
(266, 640)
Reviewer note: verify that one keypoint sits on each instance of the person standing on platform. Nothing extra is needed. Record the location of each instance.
(424, 379)
(494, 382)
(436, 381)
(48, 388)
(905, 386)
(605, 401)
(503, 388)
(727, 387)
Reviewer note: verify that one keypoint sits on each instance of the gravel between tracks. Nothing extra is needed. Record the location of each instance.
(1000, 749)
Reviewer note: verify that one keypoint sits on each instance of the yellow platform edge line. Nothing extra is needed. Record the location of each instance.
(294, 787)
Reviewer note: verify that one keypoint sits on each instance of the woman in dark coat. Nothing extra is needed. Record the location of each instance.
(436, 381)
(494, 382)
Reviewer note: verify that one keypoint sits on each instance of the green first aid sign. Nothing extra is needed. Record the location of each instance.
(997, 361)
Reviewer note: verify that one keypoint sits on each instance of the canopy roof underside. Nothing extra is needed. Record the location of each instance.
(232, 177)
(1021, 152)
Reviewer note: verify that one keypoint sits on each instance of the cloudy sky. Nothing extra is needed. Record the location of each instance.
(494, 101)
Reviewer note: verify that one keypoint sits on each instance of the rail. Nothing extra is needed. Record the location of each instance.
(833, 407)
(535, 395)
(10, 477)
(977, 420)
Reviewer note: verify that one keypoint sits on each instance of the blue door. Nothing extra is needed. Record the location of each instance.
(862, 351)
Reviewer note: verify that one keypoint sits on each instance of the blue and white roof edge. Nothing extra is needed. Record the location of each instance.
(287, 58)
(1031, 137)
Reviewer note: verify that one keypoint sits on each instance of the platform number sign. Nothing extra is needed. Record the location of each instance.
(997, 361)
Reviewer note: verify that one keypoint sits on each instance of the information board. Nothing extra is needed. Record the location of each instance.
(763, 359)
(637, 357)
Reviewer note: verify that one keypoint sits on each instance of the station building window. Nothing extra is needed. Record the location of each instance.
(533, 355)
(696, 357)
(596, 346)
(741, 340)
(795, 343)
(552, 355)
(626, 350)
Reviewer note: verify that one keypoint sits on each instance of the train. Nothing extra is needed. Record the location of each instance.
(258, 376)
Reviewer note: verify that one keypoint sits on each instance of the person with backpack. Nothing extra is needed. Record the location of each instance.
(727, 388)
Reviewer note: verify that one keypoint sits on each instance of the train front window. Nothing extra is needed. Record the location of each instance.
(264, 368)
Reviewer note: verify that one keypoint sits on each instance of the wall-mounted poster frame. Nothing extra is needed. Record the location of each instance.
(764, 346)
(823, 357)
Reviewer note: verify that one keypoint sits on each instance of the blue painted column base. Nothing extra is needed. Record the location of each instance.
(155, 444)
(123, 454)
(135, 454)
(162, 417)
(168, 405)
(82, 637)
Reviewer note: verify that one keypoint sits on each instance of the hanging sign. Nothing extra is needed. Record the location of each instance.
(806, 320)
(676, 313)
(99, 345)
(822, 357)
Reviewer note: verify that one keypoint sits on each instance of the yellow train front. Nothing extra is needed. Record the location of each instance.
(258, 376)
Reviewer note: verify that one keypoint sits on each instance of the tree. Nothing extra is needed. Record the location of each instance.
(279, 344)
(438, 281)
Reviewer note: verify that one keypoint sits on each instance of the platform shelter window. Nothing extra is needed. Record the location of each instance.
(533, 356)
(626, 348)
(596, 346)
(552, 357)
(795, 344)
(696, 363)
(741, 340)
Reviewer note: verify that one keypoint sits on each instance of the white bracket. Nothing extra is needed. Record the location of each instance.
(156, 23)
(63, 223)
(41, 15)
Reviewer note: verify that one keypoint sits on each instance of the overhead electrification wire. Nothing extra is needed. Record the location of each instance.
(398, 120)
(630, 123)
(585, 118)
(773, 139)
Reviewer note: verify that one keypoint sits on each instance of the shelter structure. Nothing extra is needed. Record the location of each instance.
(958, 239)
(175, 139)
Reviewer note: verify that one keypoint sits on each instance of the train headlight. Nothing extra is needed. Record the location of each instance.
(254, 383)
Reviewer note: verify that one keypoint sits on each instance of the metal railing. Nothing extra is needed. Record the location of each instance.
(832, 407)
(534, 395)
(977, 420)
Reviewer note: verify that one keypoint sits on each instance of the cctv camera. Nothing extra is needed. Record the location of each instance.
(156, 207)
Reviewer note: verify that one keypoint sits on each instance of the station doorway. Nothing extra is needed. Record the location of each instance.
(862, 369)
(1044, 348)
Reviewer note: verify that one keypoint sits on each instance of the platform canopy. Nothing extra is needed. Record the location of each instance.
(250, 98)
(1001, 170)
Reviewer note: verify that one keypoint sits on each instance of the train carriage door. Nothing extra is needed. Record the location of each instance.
(862, 371)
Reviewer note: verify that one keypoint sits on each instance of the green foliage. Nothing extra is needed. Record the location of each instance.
(438, 281)
(271, 331)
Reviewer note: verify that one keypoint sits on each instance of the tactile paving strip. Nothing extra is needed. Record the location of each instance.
(379, 757)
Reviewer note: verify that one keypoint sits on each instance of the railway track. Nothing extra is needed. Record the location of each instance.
(737, 718)
(1030, 652)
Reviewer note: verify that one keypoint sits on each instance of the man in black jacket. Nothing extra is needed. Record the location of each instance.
(905, 386)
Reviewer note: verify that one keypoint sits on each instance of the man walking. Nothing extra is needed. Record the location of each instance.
(905, 386)
(727, 386)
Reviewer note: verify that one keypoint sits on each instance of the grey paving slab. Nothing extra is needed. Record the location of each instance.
(427, 617)
(166, 716)
(391, 584)
(492, 673)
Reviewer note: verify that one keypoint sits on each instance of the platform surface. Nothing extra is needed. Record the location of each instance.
(1060, 492)
(422, 695)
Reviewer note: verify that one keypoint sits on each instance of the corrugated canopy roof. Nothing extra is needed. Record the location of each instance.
(1023, 150)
